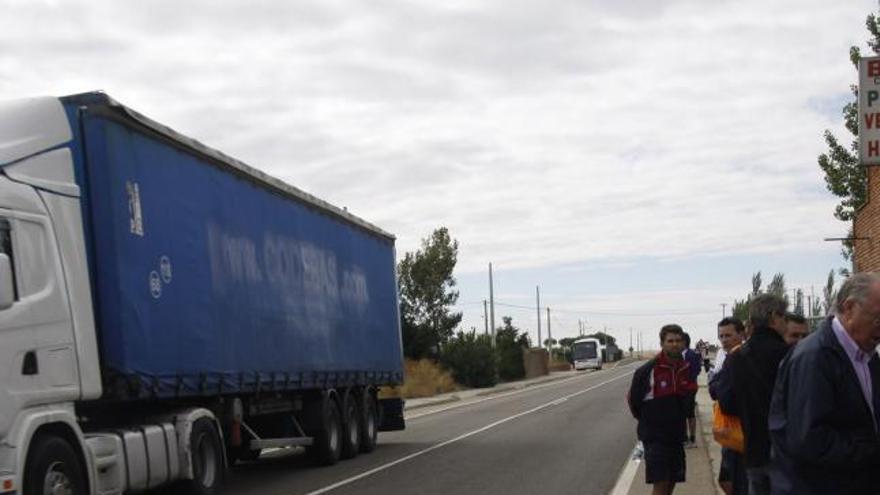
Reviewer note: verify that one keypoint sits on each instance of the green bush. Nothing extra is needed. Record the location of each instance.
(470, 358)
(509, 345)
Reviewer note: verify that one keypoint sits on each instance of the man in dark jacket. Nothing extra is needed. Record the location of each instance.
(694, 361)
(824, 414)
(657, 400)
(753, 373)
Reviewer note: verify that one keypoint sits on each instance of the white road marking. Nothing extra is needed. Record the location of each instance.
(627, 475)
(507, 394)
(432, 448)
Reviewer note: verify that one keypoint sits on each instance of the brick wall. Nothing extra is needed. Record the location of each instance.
(867, 224)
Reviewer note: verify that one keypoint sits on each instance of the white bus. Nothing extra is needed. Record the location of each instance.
(586, 353)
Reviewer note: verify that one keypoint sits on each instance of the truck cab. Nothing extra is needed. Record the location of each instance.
(48, 350)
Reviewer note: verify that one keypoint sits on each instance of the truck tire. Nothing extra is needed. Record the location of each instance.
(351, 439)
(327, 447)
(206, 455)
(53, 467)
(369, 423)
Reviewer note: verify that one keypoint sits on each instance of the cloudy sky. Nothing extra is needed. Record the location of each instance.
(638, 160)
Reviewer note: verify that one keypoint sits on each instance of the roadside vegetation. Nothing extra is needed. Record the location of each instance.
(812, 306)
(426, 378)
(434, 351)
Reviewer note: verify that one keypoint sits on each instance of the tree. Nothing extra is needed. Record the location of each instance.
(740, 308)
(828, 293)
(427, 291)
(567, 341)
(509, 346)
(799, 303)
(817, 307)
(471, 359)
(777, 286)
(603, 337)
(843, 175)
(550, 343)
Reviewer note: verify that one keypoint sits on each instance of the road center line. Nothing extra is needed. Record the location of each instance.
(432, 448)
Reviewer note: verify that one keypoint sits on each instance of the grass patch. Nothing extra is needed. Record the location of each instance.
(425, 378)
(556, 365)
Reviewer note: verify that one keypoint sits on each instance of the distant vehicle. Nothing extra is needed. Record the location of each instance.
(587, 354)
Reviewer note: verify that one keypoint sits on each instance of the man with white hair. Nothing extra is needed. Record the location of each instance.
(824, 412)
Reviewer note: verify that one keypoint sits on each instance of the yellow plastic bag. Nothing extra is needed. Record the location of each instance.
(727, 430)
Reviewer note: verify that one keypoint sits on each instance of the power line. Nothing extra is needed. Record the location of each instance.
(609, 313)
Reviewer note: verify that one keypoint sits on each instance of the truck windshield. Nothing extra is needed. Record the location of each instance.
(584, 350)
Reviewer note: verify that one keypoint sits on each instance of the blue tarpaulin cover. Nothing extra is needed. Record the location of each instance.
(208, 280)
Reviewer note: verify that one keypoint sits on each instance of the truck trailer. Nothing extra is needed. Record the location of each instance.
(167, 310)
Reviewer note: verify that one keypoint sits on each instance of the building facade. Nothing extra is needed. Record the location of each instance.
(866, 228)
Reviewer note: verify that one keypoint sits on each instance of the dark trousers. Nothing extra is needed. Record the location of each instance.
(759, 480)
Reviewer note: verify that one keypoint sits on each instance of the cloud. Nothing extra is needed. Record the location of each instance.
(541, 134)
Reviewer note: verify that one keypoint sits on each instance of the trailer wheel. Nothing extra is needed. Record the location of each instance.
(207, 459)
(53, 467)
(351, 440)
(369, 424)
(327, 447)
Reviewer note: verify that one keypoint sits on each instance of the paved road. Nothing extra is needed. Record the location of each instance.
(567, 437)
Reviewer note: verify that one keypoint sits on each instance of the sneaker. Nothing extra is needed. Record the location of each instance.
(690, 444)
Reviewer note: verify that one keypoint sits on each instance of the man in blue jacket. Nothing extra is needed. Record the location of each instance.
(824, 412)
(694, 360)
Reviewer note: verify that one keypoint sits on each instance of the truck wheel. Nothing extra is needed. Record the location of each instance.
(52, 468)
(351, 440)
(328, 437)
(207, 459)
(369, 424)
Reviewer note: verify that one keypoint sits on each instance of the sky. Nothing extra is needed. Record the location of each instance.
(637, 160)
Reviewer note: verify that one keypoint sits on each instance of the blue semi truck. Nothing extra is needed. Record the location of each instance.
(166, 310)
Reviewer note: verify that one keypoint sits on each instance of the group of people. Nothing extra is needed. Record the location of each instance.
(808, 405)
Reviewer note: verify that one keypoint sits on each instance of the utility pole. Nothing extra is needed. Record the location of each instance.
(630, 341)
(549, 334)
(491, 304)
(538, 307)
(486, 316)
(723, 310)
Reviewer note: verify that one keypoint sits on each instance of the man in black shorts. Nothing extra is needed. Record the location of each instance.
(657, 400)
(690, 405)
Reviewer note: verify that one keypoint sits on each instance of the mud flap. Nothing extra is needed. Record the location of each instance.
(391, 414)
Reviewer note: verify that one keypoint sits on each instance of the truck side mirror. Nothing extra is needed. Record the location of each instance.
(7, 289)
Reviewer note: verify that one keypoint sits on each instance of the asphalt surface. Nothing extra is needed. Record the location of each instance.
(568, 437)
